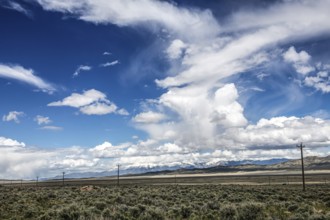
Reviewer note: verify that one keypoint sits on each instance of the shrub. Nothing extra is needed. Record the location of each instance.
(251, 211)
(70, 213)
(228, 212)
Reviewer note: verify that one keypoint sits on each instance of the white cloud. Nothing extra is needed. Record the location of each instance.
(16, 7)
(78, 100)
(19, 73)
(17, 161)
(51, 128)
(176, 49)
(81, 68)
(299, 60)
(192, 22)
(203, 112)
(107, 150)
(13, 116)
(149, 117)
(122, 112)
(278, 131)
(170, 148)
(320, 82)
(299, 16)
(90, 102)
(106, 53)
(7, 142)
(42, 120)
(200, 116)
(113, 63)
(98, 108)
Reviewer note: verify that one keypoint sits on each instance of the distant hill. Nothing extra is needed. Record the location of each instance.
(311, 163)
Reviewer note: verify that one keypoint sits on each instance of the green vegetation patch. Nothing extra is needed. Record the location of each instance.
(166, 202)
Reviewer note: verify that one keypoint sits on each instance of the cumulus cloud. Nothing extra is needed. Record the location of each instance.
(98, 108)
(199, 116)
(18, 161)
(149, 117)
(81, 68)
(90, 102)
(7, 142)
(278, 131)
(315, 76)
(320, 81)
(107, 150)
(42, 120)
(13, 116)
(78, 100)
(299, 60)
(113, 63)
(28, 162)
(19, 73)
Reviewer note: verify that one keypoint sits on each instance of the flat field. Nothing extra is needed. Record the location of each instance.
(265, 177)
(196, 201)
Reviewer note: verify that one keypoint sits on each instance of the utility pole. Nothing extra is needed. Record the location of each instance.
(302, 165)
(63, 178)
(118, 165)
(37, 181)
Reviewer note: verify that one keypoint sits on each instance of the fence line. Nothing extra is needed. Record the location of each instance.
(289, 179)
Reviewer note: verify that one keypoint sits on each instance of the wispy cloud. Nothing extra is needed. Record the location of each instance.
(110, 63)
(17, 72)
(12, 5)
(13, 116)
(195, 23)
(175, 50)
(81, 68)
(42, 120)
(90, 102)
(52, 128)
(106, 53)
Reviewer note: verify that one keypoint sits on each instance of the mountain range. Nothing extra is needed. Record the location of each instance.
(311, 163)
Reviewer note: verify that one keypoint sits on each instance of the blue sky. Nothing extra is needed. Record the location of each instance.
(89, 84)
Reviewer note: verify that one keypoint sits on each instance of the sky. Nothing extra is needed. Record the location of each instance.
(89, 84)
